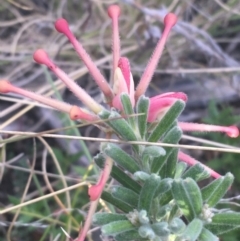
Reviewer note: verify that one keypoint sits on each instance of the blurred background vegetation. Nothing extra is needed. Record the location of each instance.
(201, 59)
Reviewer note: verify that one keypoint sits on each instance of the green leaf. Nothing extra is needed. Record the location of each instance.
(121, 157)
(119, 175)
(117, 227)
(193, 230)
(146, 231)
(177, 226)
(161, 228)
(169, 168)
(151, 152)
(119, 125)
(175, 212)
(167, 121)
(197, 173)
(188, 197)
(224, 222)
(181, 167)
(165, 198)
(126, 195)
(128, 109)
(164, 186)
(213, 192)
(124, 179)
(206, 235)
(172, 137)
(128, 235)
(116, 202)
(148, 192)
(142, 108)
(105, 218)
(163, 211)
(141, 176)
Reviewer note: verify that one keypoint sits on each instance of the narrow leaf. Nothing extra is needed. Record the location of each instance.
(166, 122)
(193, 230)
(119, 175)
(151, 152)
(172, 137)
(164, 186)
(224, 222)
(126, 195)
(206, 235)
(161, 228)
(129, 235)
(197, 173)
(119, 125)
(165, 198)
(142, 108)
(105, 218)
(188, 197)
(116, 202)
(169, 168)
(117, 227)
(121, 157)
(213, 192)
(177, 226)
(181, 167)
(128, 109)
(148, 192)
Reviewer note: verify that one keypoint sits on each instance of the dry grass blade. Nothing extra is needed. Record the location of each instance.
(24, 192)
(6, 210)
(192, 147)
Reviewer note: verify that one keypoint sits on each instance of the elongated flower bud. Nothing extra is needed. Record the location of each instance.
(74, 112)
(61, 26)
(169, 21)
(191, 161)
(231, 131)
(114, 13)
(41, 57)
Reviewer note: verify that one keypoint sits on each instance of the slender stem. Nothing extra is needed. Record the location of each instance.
(95, 194)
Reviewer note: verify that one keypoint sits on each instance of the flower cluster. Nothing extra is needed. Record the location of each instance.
(122, 84)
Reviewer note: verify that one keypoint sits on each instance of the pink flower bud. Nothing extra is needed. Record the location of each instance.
(191, 161)
(169, 21)
(231, 131)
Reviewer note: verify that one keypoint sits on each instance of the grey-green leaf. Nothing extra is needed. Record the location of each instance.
(213, 192)
(224, 223)
(181, 167)
(167, 121)
(164, 186)
(193, 230)
(148, 192)
(206, 235)
(188, 197)
(196, 172)
(128, 109)
(119, 125)
(116, 202)
(129, 235)
(121, 157)
(105, 218)
(119, 175)
(172, 137)
(151, 152)
(142, 108)
(117, 227)
(126, 195)
(177, 226)
(169, 168)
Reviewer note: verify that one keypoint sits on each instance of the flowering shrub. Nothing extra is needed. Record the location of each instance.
(157, 193)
